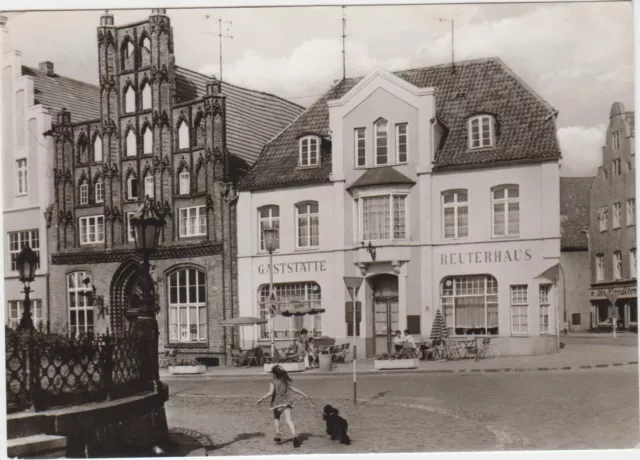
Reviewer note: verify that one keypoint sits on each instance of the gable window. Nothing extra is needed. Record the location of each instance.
(147, 140)
(132, 188)
(269, 217)
(184, 183)
(481, 132)
(602, 218)
(633, 264)
(381, 142)
(80, 312)
(91, 229)
(506, 210)
(187, 306)
(360, 146)
(401, 142)
(631, 212)
(519, 307)
(617, 265)
(615, 138)
(309, 147)
(97, 148)
(132, 144)
(307, 228)
(22, 184)
(600, 267)
(382, 217)
(470, 304)
(84, 193)
(193, 221)
(146, 96)
(99, 189)
(616, 167)
(131, 236)
(183, 135)
(617, 214)
(17, 240)
(545, 303)
(455, 214)
(149, 186)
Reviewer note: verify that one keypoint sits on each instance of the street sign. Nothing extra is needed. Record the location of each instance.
(612, 296)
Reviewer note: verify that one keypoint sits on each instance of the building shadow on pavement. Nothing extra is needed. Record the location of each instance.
(382, 394)
(240, 437)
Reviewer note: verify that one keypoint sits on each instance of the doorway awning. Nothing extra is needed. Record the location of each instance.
(550, 273)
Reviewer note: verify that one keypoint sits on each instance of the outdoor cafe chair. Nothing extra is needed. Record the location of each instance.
(471, 349)
(486, 350)
(251, 356)
(408, 351)
(237, 357)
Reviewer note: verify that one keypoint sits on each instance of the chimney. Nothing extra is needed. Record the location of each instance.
(106, 19)
(64, 117)
(213, 87)
(158, 11)
(47, 66)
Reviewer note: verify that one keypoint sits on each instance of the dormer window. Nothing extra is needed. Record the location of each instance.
(309, 151)
(381, 142)
(481, 132)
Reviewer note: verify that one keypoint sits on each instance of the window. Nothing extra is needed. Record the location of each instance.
(184, 183)
(131, 235)
(84, 193)
(631, 212)
(615, 138)
(17, 240)
(132, 188)
(290, 295)
(519, 321)
(91, 229)
(23, 180)
(455, 214)
(381, 146)
(545, 303)
(617, 265)
(600, 267)
(97, 148)
(99, 189)
(470, 304)
(309, 147)
(602, 218)
(183, 135)
(130, 100)
(187, 306)
(376, 214)
(481, 132)
(80, 312)
(360, 146)
(132, 144)
(269, 218)
(146, 96)
(506, 211)
(606, 173)
(193, 221)
(633, 264)
(616, 167)
(307, 227)
(149, 186)
(617, 214)
(401, 142)
(16, 308)
(147, 140)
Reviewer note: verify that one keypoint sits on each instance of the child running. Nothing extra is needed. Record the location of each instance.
(281, 401)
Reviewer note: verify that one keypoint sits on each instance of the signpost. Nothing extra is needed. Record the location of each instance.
(353, 283)
(613, 297)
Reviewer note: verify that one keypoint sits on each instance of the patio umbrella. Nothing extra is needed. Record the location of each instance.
(302, 311)
(439, 329)
(242, 321)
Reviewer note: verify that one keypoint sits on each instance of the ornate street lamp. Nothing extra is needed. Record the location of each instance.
(27, 263)
(270, 238)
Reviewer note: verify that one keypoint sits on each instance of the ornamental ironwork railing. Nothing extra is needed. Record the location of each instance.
(47, 370)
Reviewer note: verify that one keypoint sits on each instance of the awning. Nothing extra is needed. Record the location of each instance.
(550, 273)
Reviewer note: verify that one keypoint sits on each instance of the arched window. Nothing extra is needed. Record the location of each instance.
(99, 189)
(307, 227)
(127, 55)
(146, 96)
(183, 135)
(290, 296)
(132, 144)
(506, 210)
(455, 214)
(184, 183)
(470, 304)
(187, 306)
(97, 148)
(82, 148)
(132, 188)
(309, 151)
(129, 100)
(147, 140)
(84, 192)
(149, 186)
(381, 142)
(199, 129)
(269, 217)
(80, 311)
(145, 51)
(481, 130)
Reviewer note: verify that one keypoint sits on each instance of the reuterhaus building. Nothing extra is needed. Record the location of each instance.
(439, 186)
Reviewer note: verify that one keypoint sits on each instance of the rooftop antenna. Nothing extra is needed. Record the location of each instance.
(344, 27)
(220, 36)
(453, 65)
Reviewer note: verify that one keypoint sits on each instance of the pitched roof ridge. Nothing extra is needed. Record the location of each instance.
(443, 65)
(33, 69)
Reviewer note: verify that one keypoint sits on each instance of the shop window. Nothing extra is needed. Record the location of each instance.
(16, 308)
(309, 151)
(402, 142)
(617, 265)
(600, 267)
(193, 221)
(307, 228)
(187, 306)
(381, 142)
(290, 295)
(470, 304)
(519, 307)
(360, 146)
(506, 210)
(269, 217)
(80, 312)
(481, 131)
(455, 214)
(17, 240)
(545, 304)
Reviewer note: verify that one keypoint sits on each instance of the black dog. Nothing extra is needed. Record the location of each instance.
(336, 425)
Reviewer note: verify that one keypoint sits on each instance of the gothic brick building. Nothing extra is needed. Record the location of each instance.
(183, 140)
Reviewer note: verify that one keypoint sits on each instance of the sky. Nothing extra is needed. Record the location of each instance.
(578, 57)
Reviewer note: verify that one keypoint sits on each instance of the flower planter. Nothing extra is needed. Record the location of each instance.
(395, 363)
(197, 369)
(289, 367)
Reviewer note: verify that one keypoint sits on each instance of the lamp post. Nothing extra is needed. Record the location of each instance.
(27, 263)
(270, 238)
(353, 283)
(147, 225)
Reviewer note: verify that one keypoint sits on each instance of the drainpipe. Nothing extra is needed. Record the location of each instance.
(586, 232)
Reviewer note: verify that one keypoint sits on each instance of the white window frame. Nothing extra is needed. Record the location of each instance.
(146, 93)
(147, 140)
(481, 142)
(196, 228)
(94, 229)
(81, 307)
(130, 100)
(508, 203)
(603, 223)
(130, 195)
(389, 194)
(519, 309)
(305, 158)
(149, 186)
(617, 265)
(269, 221)
(616, 167)
(97, 149)
(615, 138)
(184, 183)
(99, 191)
(174, 291)
(456, 205)
(131, 144)
(544, 297)
(462, 286)
(22, 177)
(183, 135)
(376, 138)
(599, 267)
(304, 294)
(131, 237)
(15, 309)
(84, 193)
(360, 135)
(617, 215)
(633, 264)
(405, 143)
(307, 216)
(631, 212)
(15, 242)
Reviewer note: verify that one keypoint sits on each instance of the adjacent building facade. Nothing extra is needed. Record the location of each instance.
(612, 229)
(180, 139)
(439, 186)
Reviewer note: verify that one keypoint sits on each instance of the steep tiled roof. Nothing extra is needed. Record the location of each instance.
(253, 117)
(526, 127)
(55, 92)
(575, 200)
(381, 176)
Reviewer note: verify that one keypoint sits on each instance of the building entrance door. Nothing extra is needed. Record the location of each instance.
(385, 311)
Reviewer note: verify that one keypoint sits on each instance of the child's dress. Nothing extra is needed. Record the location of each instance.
(280, 399)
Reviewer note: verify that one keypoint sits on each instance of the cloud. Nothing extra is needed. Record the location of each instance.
(581, 148)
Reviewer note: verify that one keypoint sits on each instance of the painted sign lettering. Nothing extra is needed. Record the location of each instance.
(622, 291)
(294, 267)
(485, 257)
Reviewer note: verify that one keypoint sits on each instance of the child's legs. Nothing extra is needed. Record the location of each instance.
(287, 417)
(276, 420)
